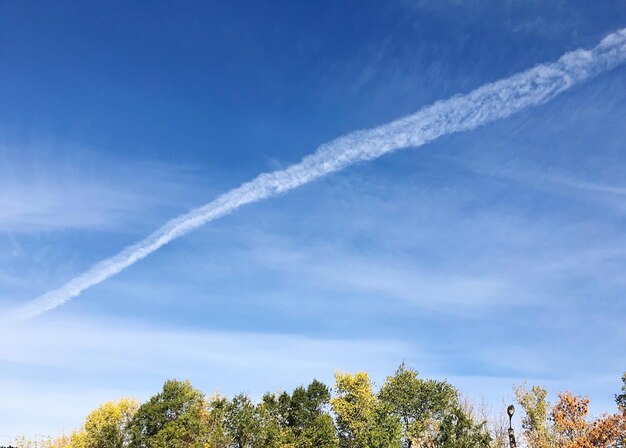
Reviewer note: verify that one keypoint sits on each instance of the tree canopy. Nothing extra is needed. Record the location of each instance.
(407, 411)
(567, 423)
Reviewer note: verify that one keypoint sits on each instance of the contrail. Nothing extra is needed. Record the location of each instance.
(460, 113)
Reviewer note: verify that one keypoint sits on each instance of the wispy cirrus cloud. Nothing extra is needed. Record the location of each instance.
(47, 187)
(81, 353)
(88, 359)
(486, 104)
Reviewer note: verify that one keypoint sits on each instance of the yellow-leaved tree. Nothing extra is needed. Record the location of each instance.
(362, 419)
(106, 426)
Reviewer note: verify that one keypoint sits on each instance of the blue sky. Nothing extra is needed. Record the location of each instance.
(486, 258)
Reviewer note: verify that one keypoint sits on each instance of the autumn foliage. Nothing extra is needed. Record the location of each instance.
(567, 424)
(405, 412)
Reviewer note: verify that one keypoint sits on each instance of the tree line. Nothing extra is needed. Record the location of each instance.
(405, 412)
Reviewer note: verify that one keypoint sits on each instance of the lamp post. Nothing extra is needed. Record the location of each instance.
(511, 410)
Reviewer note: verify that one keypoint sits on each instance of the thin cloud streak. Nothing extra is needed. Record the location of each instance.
(461, 113)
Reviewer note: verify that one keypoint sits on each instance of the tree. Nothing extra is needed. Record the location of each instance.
(320, 433)
(299, 420)
(621, 398)
(419, 404)
(242, 422)
(175, 418)
(362, 420)
(354, 406)
(271, 422)
(568, 424)
(621, 404)
(573, 430)
(430, 412)
(569, 416)
(384, 430)
(217, 436)
(457, 429)
(307, 420)
(407, 411)
(498, 428)
(535, 422)
(107, 426)
(606, 432)
(72, 440)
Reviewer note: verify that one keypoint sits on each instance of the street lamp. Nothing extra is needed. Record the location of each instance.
(511, 410)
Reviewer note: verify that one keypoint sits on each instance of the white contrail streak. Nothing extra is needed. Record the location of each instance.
(460, 113)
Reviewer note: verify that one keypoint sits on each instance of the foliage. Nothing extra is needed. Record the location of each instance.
(569, 417)
(362, 420)
(621, 398)
(406, 412)
(535, 422)
(176, 417)
(106, 427)
(242, 422)
(217, 433)
(354, 408)
(73, 440)
(568, 424)
(430, 412)
(307, 420)
(417, 403)
(458, 430)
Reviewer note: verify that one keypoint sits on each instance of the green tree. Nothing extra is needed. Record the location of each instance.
(307, 417)
(175, 418)
(271, 422)
(299, 420)
(537, 431)
(242, 422)
(418, 404)
(384, 429)
(217, 436)
(458, 429)
(430, 412)
(321, 433)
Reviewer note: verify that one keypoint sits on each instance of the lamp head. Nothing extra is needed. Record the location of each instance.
(510, 410)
